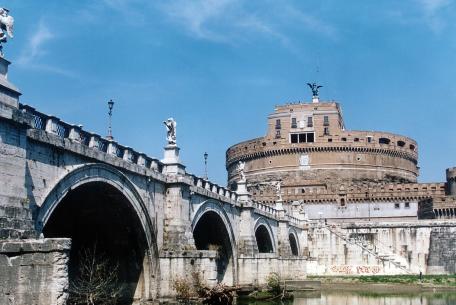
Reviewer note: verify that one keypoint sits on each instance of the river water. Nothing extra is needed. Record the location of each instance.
(367, 298)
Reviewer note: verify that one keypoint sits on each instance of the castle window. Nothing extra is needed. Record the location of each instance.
(310, 137)
(326, 120)
(344, 139)
(309, 121)
(369, 139)
(407, 205)
(356, 139)
(412, 147)
(326, 131)
(384, 141)
(397, 205)
(278, 133)
(306, 137)
(294, 123)
(330, 140)
(401, 143)
(278, 124)
(294, 138)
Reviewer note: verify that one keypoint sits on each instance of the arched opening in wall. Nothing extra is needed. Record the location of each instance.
(210, 233)
(263, 240)
(293, 244)
(104, 229)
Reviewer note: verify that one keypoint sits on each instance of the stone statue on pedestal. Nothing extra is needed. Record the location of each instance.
(6, 27)
(170, 131)
(315, 88)
(240, 169)
(278, 186)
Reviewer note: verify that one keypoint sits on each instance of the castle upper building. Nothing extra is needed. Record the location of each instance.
(308, 144)
(313, 163)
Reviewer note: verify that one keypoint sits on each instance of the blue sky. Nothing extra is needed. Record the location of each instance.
(219, 67)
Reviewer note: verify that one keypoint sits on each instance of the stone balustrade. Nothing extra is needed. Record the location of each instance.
(75, 133)
(294, 220)
(266, 209)
(213, 188)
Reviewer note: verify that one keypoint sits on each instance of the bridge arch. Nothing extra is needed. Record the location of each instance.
(294, 242)
(213, 230)
(100, 209)
(264, 236)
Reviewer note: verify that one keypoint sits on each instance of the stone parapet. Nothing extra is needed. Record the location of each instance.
(47, 128)
(378, 192)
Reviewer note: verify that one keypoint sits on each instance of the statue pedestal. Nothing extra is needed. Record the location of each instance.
(279, 205)
(243, 194)
(9, 94)
(171, 160)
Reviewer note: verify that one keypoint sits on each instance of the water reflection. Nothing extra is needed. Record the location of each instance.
(366, 298)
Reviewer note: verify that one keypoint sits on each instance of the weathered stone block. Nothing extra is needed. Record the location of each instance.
(34, 272)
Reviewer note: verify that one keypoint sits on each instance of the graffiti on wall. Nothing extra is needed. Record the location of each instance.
(353, 269)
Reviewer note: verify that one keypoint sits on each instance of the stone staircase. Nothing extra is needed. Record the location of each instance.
(382, 253)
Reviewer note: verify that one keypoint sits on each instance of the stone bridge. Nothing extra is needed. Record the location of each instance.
(66, 193)
(156, 220)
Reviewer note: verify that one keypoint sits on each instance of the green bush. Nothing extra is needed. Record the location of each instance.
(273, 283)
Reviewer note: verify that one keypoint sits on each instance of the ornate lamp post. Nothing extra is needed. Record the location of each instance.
(110, 106)
(205, 165)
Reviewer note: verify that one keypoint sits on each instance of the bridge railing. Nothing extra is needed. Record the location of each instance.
(75, 133)
(213, 187)
(294, 220)
(266, 209)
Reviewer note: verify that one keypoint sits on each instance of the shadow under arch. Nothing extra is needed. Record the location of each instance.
(293, 240)
(98, 207)
(263, 236)
(212, 230)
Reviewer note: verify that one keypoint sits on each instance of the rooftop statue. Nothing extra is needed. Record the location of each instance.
(315, 88)
(170, 131)
(6, 27)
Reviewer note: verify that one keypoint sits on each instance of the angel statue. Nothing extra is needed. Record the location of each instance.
(240, 169)
(278, 186)
(6, 27)
(315, 88)
(170, 131)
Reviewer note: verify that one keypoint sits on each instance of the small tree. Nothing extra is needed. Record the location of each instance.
(273, 283)
(97, 280)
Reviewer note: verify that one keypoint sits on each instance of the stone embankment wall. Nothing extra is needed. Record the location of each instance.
(255, 269)
(382, 248)
(34, 271)
(442, 257)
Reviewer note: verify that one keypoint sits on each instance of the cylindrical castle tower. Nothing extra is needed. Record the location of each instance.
(307, 147)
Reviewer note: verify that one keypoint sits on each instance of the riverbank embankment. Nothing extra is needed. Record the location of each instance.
(388, 284)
